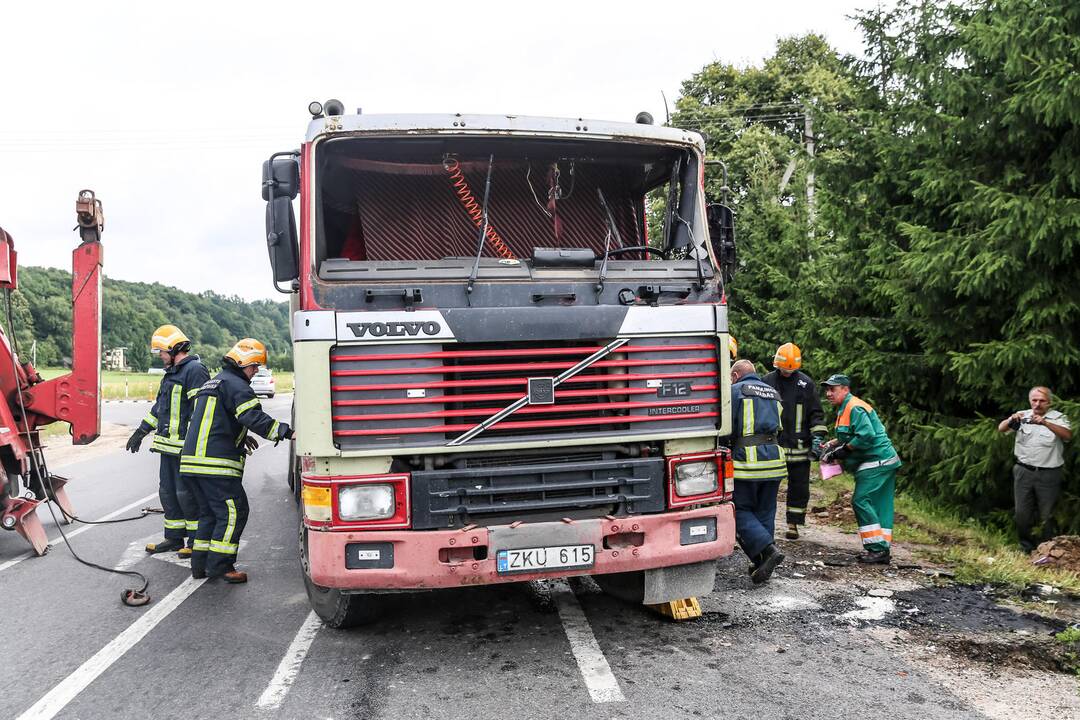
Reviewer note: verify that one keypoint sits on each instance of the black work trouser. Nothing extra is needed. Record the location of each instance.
(181, 510)
(1035, 493)
(223, 513)
(798, 492)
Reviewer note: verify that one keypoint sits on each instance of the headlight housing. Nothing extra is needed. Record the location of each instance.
(366, 502)
(696, 478)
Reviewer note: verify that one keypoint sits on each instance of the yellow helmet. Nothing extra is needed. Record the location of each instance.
(170, 339)
(248, 351)
(733, 347)
(788, 357)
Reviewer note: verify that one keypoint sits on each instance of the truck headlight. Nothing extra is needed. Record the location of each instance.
(695, 478)
(366, 502)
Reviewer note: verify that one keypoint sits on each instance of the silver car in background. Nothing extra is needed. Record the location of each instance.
(263, 382)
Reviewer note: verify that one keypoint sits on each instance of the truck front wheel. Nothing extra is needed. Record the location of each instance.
(336, 608)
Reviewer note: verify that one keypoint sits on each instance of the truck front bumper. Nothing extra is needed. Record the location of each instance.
(427, 559)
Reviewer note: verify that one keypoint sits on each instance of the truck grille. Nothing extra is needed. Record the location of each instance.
(453, 498)
(428, 394)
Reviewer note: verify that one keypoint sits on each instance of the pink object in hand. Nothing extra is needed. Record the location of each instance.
(829, 470)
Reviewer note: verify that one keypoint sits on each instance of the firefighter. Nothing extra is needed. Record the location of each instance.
(803, 429)
(168, 417)
(759, 467)
(213, 458)
(864, 447)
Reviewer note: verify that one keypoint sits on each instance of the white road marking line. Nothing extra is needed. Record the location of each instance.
(602, 685)
(67, 689)
(78, 530)
(135, 552)
(287, 670)
(173, 559)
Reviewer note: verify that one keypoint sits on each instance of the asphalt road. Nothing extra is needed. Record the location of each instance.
(527, 650)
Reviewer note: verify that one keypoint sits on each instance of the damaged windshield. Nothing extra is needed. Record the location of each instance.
(383, 200)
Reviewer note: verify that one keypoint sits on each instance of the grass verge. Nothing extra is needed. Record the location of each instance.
(977, 553)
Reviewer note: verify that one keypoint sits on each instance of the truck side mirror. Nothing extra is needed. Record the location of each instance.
(281, 240)
(721, 222)
(281, 183)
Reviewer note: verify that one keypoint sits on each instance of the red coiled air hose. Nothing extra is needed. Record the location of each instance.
(461, 189)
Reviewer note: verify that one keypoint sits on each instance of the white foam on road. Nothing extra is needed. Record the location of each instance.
(870, 608)
(79, 530)
(67, 689)
(595, 671)
(287, 670)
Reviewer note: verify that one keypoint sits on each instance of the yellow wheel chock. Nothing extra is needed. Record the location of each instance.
(678, 610)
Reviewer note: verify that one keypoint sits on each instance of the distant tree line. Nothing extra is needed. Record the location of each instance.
(132, 311)
(939, 261)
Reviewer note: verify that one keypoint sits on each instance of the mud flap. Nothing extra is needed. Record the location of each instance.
(652, 587)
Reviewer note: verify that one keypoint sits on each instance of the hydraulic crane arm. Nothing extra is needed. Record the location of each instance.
(73, 398)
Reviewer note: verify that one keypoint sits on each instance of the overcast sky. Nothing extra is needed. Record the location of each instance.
(168, 113)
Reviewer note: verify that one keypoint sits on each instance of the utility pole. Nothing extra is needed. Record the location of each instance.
(808, 137)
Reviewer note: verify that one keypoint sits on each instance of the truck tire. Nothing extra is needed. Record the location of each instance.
(337, 609)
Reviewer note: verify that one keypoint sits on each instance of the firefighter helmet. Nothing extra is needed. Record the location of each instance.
(170, 339)
(733, 347)
(248, 351)
(788, 357)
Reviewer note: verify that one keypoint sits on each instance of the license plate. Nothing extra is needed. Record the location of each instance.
(545, 558)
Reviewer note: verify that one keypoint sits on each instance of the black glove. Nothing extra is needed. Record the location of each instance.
(135, 440)
(284, 433)
(250, 444)
(835, 454)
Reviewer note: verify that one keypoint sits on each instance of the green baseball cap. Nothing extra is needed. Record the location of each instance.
(838, 379)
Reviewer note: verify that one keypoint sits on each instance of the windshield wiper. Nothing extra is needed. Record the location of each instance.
(612, 230)
(483, 231)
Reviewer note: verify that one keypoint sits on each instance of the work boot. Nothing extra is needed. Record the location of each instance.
(792, 532)
(770, 559)
(875, 557)
(184, 553)
(198, 574)
(167, 545)
(235, 577)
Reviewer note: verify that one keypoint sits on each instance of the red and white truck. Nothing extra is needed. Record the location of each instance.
(502, 372)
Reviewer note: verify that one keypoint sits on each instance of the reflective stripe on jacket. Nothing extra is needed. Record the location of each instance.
(755, 411)
(858, 426)
(171, 411)
(802, 416)
(225, 409)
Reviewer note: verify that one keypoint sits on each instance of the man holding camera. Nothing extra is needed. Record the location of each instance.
(1041, 434)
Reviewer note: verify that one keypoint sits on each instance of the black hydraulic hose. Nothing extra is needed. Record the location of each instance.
(135, 594)
(129, 596)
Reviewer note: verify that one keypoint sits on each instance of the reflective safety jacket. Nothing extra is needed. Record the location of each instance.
(802, 416)
(755, 413)
(858, 426)
(225, 409)
(170, 413)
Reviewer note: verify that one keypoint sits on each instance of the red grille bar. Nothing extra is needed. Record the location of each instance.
(568, 422)
(533, 352)
(513, 367)
(605, 392)
(529, 410)
(520, 381)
